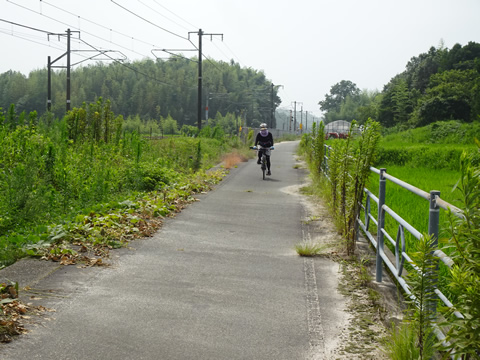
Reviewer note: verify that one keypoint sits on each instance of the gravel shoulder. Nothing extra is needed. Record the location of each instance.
(369, 307)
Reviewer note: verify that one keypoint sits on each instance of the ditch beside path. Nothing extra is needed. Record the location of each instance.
(221, 280)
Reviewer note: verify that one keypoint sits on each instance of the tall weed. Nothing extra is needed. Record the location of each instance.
(51, 172)
(414, 338)
(401, 342)
(464, 333)
(348, 172)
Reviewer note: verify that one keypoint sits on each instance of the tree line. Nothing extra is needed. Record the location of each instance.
(441, 84)
(148, 89)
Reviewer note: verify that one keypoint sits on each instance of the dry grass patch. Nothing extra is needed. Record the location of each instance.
(231, 160)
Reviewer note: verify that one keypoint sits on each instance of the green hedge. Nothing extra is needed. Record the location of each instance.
(425, 156)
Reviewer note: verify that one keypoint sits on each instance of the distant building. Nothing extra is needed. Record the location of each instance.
(339, 126)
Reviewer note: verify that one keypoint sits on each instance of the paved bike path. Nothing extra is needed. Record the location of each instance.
(220, 281)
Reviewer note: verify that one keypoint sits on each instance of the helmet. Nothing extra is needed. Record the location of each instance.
(263, 126)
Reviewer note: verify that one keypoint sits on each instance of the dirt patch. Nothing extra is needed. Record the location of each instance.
(231, 160)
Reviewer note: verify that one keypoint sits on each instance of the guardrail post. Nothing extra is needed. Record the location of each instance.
(433, 230)
(381, 224)
(326, 155)
(434, 216)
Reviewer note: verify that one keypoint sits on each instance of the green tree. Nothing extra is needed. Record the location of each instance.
(338, 95)
(170, 126)
(453, 94)
(420, 68)
(139, 87)
(360, 107)
(461, 57)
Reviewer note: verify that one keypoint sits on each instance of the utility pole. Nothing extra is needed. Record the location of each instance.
(68, 70)
(199, 109)
(301, 120)
(306, 121)
(295, 117)
(50, 63)
(290, 122)
(272, 110)
(199, 98)
(272, 114)
(295, 114)
(49, 85)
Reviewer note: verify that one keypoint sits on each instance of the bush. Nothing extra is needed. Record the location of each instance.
(154, 176)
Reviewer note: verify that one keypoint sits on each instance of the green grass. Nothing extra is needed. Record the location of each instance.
(401, 343)
(441, 132)
(436, 146)
(414, 209)
(309, 249)
(411, 207)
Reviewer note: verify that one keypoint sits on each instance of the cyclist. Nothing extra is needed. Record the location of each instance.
(265, 140)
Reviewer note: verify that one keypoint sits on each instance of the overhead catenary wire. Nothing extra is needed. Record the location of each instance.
(122, 34)
(235, 56)
(104, 27)
(97, 24)
(226, 56)
(148, 21)
(102, 51)
(190, 24)
(27, 38)
(77, 28)
(130, 67)
(194, 26)
(43, 2)
(162, 15)
(26, 26)
(133, 13)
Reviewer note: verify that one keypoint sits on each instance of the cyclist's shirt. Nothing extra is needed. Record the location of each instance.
(264, 141)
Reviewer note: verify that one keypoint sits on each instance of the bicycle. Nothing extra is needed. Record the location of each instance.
(263, 160)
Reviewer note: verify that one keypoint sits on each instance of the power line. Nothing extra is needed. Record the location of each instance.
(148, 21)
(149, 7)
(162, 15)
(226, 56)
(74, 27)
(235, 56)
(97, 24)
(130, 67)
(206, 58)
(190, 24)
(111, 30)
(8, 32)
(25, 26)
(31, 28)
(103, 52)
(196, 27)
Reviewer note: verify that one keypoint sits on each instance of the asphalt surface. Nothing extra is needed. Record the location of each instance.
(219, 281)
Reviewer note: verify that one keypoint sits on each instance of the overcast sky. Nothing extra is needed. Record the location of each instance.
(305, 45)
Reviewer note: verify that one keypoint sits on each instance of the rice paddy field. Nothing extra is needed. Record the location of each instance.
(410, 206)
(429, 163)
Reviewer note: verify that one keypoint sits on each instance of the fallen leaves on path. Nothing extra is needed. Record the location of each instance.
(13, 313)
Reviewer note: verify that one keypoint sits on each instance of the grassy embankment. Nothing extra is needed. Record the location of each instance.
(55, 192)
